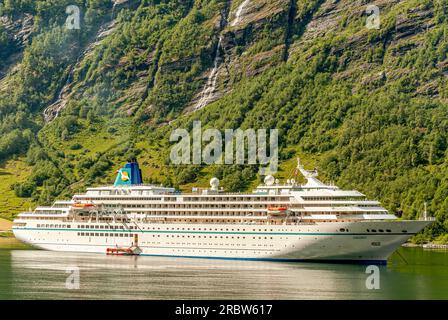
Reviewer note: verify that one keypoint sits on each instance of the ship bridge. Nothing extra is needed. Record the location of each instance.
(313, 186)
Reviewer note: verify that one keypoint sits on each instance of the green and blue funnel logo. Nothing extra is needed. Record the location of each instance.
(129, 175)
(123, 177)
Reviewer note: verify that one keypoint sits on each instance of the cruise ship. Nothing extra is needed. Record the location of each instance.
(277, 221)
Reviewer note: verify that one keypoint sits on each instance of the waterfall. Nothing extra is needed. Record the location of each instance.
(239, 12)
(208, 91)
(210, 86)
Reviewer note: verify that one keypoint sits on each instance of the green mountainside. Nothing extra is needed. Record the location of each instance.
(367, 107)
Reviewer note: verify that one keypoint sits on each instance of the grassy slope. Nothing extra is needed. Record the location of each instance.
(11, 172)
(5, 224)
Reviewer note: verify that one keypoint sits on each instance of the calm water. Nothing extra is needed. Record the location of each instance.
(34, 274)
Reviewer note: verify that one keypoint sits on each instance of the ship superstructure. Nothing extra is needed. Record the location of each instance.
(291, 222)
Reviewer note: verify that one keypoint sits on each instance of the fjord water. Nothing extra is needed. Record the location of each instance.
(413, 273)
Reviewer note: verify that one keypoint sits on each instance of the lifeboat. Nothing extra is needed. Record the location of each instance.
(81, 206)
(276, 211)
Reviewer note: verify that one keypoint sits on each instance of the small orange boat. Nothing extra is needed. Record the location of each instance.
(133, 250)
(120, 252)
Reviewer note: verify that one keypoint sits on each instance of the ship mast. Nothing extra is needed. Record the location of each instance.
(425, 213)
(310, 176)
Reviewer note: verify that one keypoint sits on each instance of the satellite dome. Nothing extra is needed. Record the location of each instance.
(269, 180)
(214, 183)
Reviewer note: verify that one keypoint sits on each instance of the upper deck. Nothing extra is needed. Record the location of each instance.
(313, 201)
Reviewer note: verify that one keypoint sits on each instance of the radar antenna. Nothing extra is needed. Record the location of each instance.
(306, 173)
(310, 176)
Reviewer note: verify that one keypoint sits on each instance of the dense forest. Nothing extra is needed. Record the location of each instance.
(367, 106)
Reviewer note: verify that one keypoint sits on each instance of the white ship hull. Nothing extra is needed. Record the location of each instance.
(314, 242)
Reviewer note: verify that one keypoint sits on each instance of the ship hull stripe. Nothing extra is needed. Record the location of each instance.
(149, 247)
(339, 261)
(230, 232)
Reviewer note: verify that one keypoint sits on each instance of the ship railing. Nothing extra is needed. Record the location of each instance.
(427, 219)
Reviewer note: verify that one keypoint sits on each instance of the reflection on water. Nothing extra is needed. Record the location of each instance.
(34, 274)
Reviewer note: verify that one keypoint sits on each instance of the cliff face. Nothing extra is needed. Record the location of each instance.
(15, 36)
(211, 46)
(368, 105)
(207, 49)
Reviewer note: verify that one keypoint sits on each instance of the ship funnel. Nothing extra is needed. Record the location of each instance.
(129, 175)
